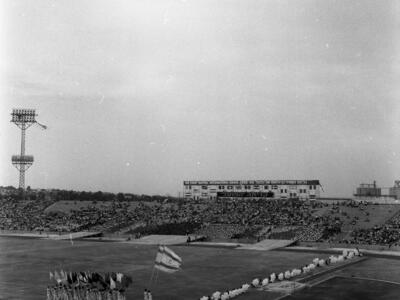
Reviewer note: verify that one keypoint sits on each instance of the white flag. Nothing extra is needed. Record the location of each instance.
(167, 260)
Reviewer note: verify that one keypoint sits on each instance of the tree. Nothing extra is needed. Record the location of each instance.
(120, 197)
(98, 196)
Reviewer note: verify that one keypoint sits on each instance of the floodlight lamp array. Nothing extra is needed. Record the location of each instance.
(23, 116)
(22, 159)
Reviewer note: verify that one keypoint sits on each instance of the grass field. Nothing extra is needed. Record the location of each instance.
(349, 289)
(25, 266)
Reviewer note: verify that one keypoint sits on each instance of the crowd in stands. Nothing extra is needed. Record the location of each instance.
(30, 215)
(394, 222)
(221, 219)
(23, 215)
(309, 233)
(387, 234)
(217, 232)
(182, 228)
(379, 235)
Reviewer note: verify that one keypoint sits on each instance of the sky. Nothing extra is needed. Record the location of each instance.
(141, 95)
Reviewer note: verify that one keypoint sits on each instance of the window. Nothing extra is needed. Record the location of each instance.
(285, 190)
(281, 191)
(221, 187)
(256, 187)
(204, 187)
(229, 187)
(266, 187)
(247, 187)
(274, 187)
(238, 187)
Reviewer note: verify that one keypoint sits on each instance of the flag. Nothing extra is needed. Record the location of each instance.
(112, 284)
(51, 276)
(167, 260)
(119, 277)
(80, 277)
(84, 277)
(57, 277)
(63, 276)
(89, 276)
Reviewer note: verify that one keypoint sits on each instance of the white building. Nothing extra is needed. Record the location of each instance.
(281, 189)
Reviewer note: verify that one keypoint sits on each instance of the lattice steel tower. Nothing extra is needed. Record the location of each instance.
(23, 118)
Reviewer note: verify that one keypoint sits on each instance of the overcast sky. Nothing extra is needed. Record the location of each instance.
(141, 95)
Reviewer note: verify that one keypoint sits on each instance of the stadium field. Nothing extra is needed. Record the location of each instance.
(349, 289)
(25, 266)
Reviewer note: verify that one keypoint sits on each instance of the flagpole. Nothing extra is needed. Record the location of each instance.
(155, 281)
(151, 277)
(152, 272)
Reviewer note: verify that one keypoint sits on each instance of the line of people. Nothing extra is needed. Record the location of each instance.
(258, 282)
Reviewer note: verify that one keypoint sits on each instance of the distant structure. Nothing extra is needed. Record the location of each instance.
(395, 190)
(281, 189)
(368, 190)
(23, 118)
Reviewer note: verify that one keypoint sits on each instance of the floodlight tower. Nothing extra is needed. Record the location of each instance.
(23, 118)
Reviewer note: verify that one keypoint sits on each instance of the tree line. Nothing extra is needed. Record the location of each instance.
(58, 195)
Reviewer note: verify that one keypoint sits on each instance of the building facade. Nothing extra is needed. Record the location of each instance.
(368, 190)
(281, 189)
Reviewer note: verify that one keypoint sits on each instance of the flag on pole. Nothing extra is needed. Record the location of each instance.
(167, 260)
(112, 284)
(63, 276)
(57, 277)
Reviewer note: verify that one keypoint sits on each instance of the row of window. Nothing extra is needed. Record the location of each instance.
(249, 187)
(282, 191)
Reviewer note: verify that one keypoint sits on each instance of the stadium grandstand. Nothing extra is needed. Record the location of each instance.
(281, 189)
(246, 219)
